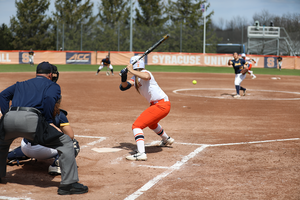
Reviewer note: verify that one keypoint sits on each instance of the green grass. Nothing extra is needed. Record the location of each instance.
(153, 68)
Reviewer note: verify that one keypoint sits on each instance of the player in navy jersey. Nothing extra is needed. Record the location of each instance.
(238, 64)
(31, 54)
(106, 63)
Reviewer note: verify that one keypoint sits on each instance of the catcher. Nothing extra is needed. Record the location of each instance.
(106, 63)
(240, 69)
(29, 150)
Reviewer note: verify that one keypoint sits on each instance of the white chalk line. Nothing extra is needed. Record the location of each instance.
(238, 143)
(155, 180)
(179, 164)
(14, 198)
(91, 143)
(216, 97)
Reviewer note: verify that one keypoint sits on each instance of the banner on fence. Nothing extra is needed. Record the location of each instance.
(9, 57)
(78, 58)
(154, 58)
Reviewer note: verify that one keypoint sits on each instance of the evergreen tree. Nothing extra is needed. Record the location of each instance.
(74, 19)
(150, 14)
(30, 26)
(186, 22)
(113, 27)
(149, 23)
(112, 12)
(6, 38)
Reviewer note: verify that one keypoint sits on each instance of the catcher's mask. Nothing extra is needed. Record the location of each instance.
(47, 68)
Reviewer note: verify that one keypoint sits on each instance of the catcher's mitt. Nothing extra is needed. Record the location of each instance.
(244, 71)
(76, 147)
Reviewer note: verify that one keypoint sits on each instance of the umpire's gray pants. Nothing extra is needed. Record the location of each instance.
(23, 124)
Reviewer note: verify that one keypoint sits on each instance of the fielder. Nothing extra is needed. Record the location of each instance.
(279, 58)
(249, 61)
(31, 150)
(145, 84)
(240, 70)
(106, 63)
(31, 54)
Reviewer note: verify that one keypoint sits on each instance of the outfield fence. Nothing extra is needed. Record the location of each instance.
(154, 58)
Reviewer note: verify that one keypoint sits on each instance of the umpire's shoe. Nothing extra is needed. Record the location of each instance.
(74, 188)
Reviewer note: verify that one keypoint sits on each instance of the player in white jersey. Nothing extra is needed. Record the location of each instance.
(145, 84)
(249, 61)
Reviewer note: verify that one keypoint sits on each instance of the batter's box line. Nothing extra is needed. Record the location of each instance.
(100, 139)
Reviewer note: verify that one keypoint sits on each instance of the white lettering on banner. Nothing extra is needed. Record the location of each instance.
(168, 60)
(192, 60)
(207, 60)
(179, 60)
(213, 60)
(224, 60)
(216, 60)
(256, 60)
(186, 59)
(154, 59)
(161, 58)
(3, 59)
(197, 60)
(174, 60)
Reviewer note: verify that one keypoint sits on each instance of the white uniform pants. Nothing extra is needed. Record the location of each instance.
(37, 151)
(108, 66)
(239, 78)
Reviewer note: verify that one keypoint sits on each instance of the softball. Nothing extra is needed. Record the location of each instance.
(194, 82)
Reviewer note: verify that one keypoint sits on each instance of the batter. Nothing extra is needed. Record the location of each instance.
(160, 106)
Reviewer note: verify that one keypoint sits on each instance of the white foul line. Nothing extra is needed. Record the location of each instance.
(238, 143)
(179, 164)
(152, 182)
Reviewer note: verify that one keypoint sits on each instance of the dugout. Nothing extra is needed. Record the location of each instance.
(229, 48)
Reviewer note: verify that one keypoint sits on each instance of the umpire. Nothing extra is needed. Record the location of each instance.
(30, 116)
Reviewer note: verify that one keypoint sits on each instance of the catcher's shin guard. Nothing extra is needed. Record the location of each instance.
(15, 156)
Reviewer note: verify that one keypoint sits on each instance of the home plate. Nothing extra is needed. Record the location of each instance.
(105, 150)
(153, 144)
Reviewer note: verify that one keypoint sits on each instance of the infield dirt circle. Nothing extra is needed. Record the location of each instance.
(224, 148)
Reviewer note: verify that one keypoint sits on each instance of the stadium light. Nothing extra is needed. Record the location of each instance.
(257, 25)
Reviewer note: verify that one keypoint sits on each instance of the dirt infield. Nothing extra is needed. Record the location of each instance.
(225, 148)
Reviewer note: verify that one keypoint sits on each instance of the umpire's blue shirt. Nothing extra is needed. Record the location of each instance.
(38, 92)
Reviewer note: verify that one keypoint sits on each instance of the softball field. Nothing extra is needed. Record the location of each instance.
(225, 148)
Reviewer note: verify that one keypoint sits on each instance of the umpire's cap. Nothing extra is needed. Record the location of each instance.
(45, 68)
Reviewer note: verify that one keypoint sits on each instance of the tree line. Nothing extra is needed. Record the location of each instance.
(74, 26)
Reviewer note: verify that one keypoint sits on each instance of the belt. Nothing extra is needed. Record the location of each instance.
(158, 101)
(29, 109)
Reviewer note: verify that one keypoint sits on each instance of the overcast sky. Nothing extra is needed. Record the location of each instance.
(226, 9)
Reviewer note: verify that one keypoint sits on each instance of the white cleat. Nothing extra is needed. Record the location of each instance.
(54, 170)
(237, 96)
(168, 142)
(254, 77)
(138, 156)
(107, 73)
(244, 94)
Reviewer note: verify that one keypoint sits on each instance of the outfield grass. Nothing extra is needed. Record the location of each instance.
(153, 68)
